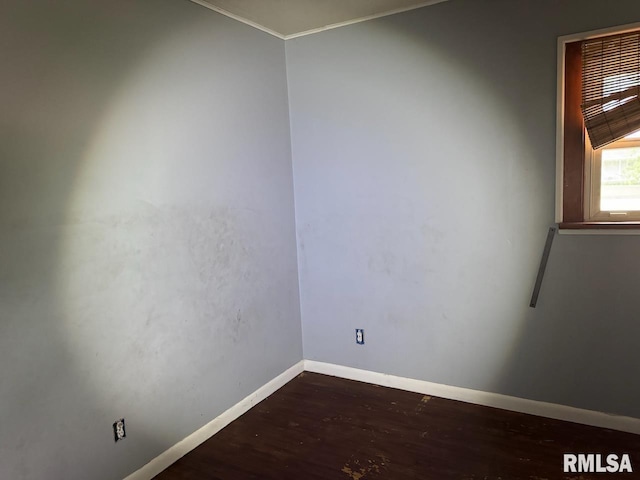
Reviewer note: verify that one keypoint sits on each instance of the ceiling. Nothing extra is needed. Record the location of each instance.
(293, 18)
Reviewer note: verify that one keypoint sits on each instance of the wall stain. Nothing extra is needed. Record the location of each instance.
(383, 262)
(236, 325)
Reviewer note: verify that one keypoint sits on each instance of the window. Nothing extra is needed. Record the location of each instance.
(613, 180)
(599, 130)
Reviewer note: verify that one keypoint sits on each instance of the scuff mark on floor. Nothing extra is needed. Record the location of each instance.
(354, 475)
(423, 401)
(357, 470)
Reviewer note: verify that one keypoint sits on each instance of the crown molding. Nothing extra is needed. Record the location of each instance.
(362, 19)
(312, 31)
(226, 13)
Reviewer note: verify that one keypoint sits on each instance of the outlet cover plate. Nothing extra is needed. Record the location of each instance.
(119, 432)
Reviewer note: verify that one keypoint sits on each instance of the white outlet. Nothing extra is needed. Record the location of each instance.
(360, 336)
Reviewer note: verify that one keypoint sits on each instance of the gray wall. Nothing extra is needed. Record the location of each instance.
(147, 243)
(424, 172)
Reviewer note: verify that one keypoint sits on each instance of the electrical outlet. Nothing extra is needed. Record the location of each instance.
(360, 336)
(119, 433)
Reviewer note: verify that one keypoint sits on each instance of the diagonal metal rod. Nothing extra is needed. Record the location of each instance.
(543, 266)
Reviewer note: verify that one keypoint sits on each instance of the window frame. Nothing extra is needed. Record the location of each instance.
(593, 181)
(572, 165)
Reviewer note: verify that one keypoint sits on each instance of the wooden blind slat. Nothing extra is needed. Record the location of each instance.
(611, 87)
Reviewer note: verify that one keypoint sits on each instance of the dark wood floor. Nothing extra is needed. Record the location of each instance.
(325, 428)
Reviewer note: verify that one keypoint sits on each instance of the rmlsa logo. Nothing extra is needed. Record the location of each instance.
(596, 463)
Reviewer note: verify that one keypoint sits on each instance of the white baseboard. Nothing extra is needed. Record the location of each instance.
(505, 402)
(179, 450)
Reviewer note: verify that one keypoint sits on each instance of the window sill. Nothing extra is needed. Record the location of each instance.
(600, 228)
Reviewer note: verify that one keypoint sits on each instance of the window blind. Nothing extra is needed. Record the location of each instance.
(611, 87)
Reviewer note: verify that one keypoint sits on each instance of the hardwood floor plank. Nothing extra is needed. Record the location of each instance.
(326, 428)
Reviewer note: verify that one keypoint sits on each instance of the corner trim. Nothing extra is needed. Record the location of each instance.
(488, 399)
(180, 449)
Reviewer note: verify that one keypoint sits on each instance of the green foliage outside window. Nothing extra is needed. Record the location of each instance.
(631, 170)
